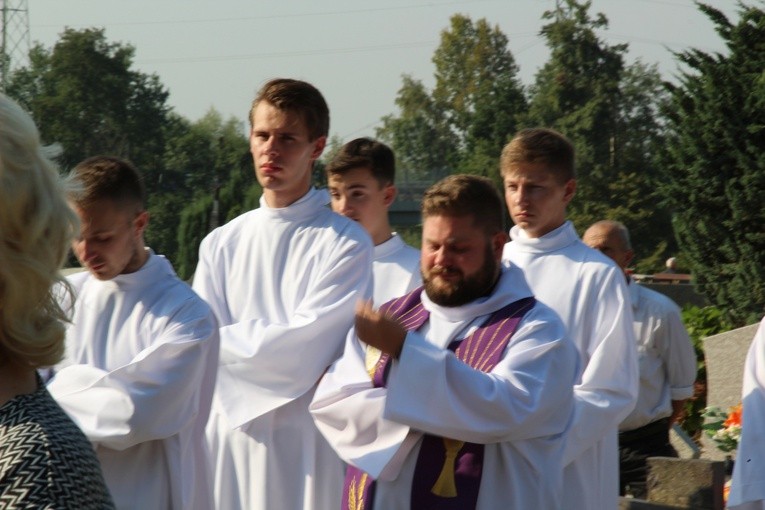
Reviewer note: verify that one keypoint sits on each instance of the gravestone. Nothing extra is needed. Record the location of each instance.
(681, 484)
(725, 355)
(696, 484)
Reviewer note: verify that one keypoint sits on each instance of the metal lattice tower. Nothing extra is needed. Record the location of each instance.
(14, 37)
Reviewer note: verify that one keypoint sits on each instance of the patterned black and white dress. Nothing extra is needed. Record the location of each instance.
(45, 460)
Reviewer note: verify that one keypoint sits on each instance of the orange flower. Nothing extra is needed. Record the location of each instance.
(734, 417)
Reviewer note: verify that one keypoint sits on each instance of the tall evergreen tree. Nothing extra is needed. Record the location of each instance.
(463, 123)
(715, 162)
(609, 111)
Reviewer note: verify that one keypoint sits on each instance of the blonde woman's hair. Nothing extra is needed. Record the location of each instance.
(36, 227)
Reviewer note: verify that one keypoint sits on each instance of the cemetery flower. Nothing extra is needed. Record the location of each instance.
(723, 427)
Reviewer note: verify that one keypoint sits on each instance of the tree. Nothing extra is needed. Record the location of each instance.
(715, 162)
(238, 194)
(477, 83)
(86, 97)
(609, 111)
(419, 136)
(205, 159)
(462, 125)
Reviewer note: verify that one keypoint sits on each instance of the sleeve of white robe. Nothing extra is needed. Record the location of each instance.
(677, 353)
(154, 396)
(348, 411)
(528, 394)
(277, 363)
(747, 490)
(609, 385)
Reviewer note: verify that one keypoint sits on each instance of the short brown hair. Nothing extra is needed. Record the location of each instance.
(299, 97)
(365, 153)
(463, 195)
(107, 177)
(540, 145)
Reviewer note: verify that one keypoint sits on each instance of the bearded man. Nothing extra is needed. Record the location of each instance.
(467, 404)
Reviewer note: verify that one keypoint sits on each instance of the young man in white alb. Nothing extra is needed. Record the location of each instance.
(283, 280)
(589, 293)
(360, 182)
(141, 350)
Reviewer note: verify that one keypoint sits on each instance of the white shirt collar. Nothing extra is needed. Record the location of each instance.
(561, 237)
(305, 206)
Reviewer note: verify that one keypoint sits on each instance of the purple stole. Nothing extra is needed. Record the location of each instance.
(448, 472)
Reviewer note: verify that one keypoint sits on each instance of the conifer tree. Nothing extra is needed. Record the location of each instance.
(714, 159)
(609, 110)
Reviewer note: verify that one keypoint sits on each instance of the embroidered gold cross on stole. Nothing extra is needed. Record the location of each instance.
(445, 486)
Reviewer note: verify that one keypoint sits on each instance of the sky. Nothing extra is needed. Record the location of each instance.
(217, 54)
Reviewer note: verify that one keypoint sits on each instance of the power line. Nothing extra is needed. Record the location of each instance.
(299, 53)
(240, 19)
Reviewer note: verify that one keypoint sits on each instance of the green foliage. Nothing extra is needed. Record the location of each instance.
(194, 226)
(419, 136)
(462, 125)
(85, 96)
(609, 111)
(237, 194)
(198, 158)
(700, 323)
(477, 86)
(725, 438)
(586, 91)
(411, 235)
(715, 161)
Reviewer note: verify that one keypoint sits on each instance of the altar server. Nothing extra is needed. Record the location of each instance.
(589, 293)
(360, 179)
(141, 350)
(282, 280)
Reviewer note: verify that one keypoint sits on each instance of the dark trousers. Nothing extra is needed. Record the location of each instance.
(635, 446)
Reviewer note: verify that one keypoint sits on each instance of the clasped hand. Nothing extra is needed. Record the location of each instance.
(379, 330)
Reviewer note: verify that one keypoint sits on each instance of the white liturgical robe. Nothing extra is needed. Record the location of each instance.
(589, 292)
(396, 270)
(747, 491)
(519, 410)
(138, 378)
(283, 283)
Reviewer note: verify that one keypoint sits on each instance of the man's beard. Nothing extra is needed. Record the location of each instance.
(466, 289)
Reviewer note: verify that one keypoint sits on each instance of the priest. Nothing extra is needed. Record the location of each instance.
(467, 404)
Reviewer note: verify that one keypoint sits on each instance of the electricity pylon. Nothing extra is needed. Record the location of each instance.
(14, 37)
